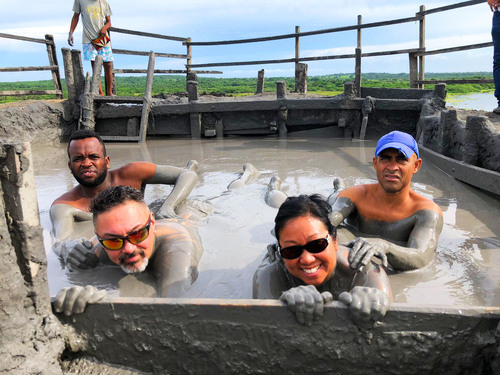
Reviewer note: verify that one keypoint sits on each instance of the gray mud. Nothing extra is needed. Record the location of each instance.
(466, 270)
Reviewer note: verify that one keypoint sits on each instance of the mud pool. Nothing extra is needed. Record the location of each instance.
(465, 271)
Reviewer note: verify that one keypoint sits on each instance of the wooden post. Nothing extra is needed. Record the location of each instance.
(260, 82)
(76, 59)
(96, 76)
(421, 45)
(297, 57)
(357, 73)
(281, 89)
(360, 22)
(413, 69)
(301, 78)
(51, 52)
(192, 86)
(146, 102)
(188, 59)
(87, 120)
(70, 77)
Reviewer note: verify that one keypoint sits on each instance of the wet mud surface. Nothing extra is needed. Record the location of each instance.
(465, 271)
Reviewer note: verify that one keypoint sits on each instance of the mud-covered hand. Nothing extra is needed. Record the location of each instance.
(365, 304)
(363, 250)
(70, 39)
(74, 300)
(306, 302)
(79, 254)
(166, 212)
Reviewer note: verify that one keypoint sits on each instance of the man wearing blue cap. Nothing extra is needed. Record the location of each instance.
(403, 227)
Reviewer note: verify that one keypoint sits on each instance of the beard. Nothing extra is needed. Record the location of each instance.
(96, 182)
(137, 267)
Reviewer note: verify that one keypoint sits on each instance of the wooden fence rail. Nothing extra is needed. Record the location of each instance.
(53, 67)
(416, 55)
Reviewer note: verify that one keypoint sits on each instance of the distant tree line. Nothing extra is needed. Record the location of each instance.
(332, 84)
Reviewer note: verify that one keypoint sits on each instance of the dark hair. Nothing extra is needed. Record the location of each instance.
(114, 196)
(304, 205)
(84, 134)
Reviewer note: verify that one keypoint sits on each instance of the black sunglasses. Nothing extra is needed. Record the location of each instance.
(134, 238)
(314, 247)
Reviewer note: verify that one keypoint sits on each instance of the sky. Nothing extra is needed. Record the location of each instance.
(216, 20)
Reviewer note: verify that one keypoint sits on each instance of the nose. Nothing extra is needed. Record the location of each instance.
(306, 257)
(128, 247)
(86, 162)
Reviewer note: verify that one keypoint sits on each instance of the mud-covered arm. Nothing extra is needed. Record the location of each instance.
(341, 208)
(183, 180)
(418, 252)
(76, 253)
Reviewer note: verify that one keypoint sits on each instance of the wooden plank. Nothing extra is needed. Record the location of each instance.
(30, 92)
(470, 174)
(146, 104)
(167, 71)
(118, 99)
(51, 52)
(454, 81)
(150, 35)
(23, 38)
(120, 138)
(308, 33)
(29, 68)
(144, 53)
(236, 336)
(388, 53)
(452, 6)
(455, 49)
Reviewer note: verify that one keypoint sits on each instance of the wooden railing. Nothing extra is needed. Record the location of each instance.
(53, 67)
(187, 56)
(416, 55)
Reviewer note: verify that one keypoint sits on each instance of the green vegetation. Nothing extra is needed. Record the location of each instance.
(324, 85)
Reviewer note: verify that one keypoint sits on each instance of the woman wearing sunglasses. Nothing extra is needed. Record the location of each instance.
(307, 268)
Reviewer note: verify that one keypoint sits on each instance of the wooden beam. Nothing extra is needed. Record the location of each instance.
(29, 68)
(144, 53)
(150, 35)
(24, 38)
(454, 49)
(30, 92)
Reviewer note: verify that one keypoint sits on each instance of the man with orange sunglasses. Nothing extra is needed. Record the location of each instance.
(132, 238)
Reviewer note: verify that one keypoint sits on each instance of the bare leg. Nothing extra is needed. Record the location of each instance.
(100, 85)
(108, 77)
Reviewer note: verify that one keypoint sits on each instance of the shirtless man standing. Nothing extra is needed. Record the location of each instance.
(407, 224)
(89, 164)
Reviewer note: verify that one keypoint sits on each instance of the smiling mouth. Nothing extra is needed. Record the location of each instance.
(310, 271)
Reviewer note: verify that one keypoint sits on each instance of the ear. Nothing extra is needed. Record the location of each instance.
(107, 160)
(375, 162)
(417, 165)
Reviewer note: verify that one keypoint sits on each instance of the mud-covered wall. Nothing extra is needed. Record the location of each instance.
(474, 140)
(30, 336)
(189, 336)
(36, 121)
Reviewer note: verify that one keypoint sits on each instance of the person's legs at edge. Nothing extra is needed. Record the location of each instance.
(108, 76)
(100, 85)
(495, 33)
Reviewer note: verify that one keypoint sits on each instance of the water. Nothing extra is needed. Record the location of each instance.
(484, 101)
(466, 269)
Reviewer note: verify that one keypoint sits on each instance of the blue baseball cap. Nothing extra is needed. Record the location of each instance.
(403, 142)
